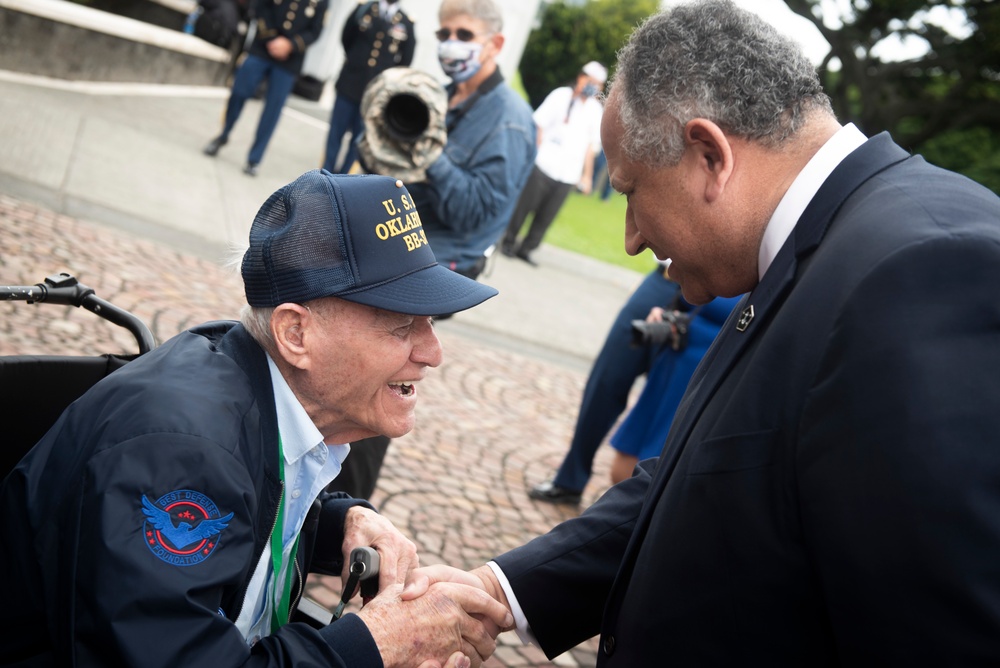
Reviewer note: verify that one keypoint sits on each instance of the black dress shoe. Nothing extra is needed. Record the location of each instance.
(507, 250)
(552, 493)
(251, 168)
(212, 148)
(520, 255)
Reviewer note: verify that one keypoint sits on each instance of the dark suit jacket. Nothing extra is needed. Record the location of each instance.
(830, 490)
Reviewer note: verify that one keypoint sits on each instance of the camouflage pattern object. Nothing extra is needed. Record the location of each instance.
(394, 107)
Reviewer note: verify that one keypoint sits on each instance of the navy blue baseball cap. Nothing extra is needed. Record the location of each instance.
(357, 237)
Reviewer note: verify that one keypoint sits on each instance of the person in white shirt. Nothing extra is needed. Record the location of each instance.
(569, 137)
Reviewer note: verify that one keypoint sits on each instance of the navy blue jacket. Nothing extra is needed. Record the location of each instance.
(87, 578)
(829, 493)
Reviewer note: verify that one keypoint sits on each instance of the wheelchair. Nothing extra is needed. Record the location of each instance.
(36, 389)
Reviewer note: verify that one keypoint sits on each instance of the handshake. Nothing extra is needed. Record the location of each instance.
(431, 617)
(420, 623)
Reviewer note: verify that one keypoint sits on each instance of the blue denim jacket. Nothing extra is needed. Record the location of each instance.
(471, 190)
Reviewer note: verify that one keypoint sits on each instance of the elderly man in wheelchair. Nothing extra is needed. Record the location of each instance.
(170, 515)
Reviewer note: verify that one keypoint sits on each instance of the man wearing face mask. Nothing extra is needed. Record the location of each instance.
(569, 137)
(471, 189)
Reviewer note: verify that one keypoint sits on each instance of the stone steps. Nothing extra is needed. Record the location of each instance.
(65, 40)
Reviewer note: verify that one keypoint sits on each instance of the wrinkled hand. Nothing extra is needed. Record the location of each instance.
(447, 624)
(279, 48)
(655, 314)
(397, 553)
(482, 578)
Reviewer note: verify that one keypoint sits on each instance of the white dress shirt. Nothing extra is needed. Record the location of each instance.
(802, 190)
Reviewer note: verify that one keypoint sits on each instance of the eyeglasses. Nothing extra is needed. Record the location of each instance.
(461, 34)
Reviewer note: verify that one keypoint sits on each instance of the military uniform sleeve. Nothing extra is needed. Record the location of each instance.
(352, 27)
(409, 45)
(308, 34)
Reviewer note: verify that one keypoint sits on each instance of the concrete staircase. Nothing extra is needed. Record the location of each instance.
(65, 40)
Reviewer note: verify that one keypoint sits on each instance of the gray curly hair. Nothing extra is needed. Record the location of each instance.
(711, 59)
(486, 11)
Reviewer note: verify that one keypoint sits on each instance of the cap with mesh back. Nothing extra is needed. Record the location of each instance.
(356, 237)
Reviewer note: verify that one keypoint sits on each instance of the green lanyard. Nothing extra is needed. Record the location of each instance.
(279, 607)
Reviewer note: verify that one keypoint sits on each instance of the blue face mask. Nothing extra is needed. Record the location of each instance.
(589, 90)
(459, 60)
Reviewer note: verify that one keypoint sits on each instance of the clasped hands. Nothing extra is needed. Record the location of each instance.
(432, 617)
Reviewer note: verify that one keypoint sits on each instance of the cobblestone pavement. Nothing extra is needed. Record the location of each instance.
(491, 422)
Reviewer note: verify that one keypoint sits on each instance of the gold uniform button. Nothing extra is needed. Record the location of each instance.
(374, 53)
(378, 44)
(290, 16)
(371, 62)
(379, 35)
(288, 25)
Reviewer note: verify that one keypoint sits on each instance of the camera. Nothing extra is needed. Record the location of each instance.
(673, 331)
(406, 117)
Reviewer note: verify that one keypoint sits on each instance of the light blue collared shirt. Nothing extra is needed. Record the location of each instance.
(310, 465)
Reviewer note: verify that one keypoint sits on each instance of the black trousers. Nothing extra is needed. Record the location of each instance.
(543, 196)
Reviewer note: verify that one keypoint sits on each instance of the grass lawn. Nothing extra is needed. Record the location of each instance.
(596, 228)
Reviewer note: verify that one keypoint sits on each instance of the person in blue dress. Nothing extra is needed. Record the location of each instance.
(644, 429)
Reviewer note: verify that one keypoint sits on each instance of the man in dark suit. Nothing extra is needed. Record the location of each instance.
(829, 493)
(378, 35)
(284, 30)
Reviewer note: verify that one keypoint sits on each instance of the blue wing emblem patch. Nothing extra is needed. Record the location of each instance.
(182, 527)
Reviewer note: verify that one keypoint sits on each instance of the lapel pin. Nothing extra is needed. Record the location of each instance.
(745, 318)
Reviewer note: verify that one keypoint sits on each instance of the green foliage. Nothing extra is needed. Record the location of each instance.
(518, 86)
(974, 152)
(944, 104)
(570, 35)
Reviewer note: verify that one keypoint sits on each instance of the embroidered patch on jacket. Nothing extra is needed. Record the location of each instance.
(182, 527)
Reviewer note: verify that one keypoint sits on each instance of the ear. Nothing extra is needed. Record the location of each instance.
(496, 41)
(289, 329)
(713, 153)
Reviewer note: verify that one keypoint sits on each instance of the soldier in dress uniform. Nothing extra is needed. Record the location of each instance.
(284, 30)
(377, 36)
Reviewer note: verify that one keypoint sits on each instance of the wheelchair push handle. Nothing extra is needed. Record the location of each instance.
(64, 289)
